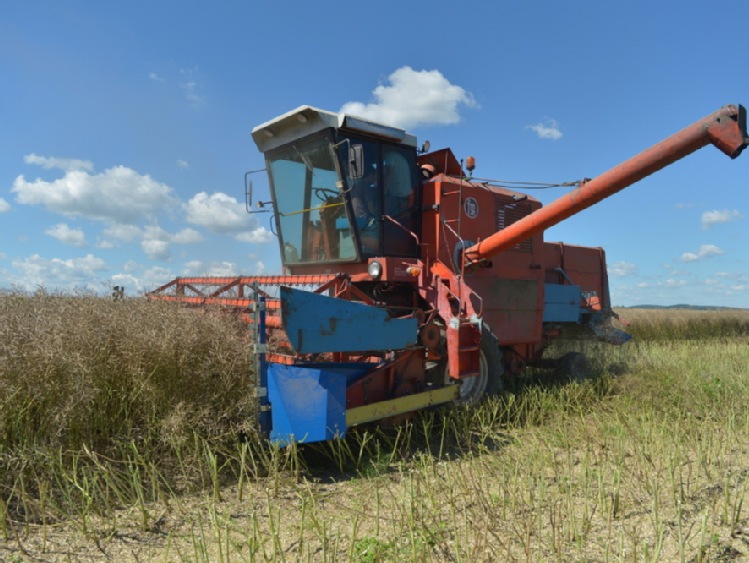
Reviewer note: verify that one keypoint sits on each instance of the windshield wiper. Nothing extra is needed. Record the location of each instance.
(307, 163)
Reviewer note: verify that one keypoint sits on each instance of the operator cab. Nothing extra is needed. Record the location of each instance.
(344, 189)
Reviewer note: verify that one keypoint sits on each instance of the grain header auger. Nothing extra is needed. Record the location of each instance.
(406, 282)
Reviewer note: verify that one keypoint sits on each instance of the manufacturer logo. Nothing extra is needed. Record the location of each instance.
(471, 207)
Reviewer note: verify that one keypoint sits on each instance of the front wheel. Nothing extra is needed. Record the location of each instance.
(573, 366)
(489, 380)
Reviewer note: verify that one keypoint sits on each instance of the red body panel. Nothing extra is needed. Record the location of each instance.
(581, 265)
(482, 261)
(510, 289)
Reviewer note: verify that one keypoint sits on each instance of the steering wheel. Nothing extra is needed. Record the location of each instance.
(323, 194)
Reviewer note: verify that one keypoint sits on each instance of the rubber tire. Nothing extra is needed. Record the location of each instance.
(490, 381)
(573, 366)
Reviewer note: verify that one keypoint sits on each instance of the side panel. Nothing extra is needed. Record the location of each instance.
(308, 401)
(316, 323)
(562, 303)
(512, 289)
(581, 265)
(308, 404)
(511, 307)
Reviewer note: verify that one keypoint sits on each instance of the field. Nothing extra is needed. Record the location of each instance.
(126, 434)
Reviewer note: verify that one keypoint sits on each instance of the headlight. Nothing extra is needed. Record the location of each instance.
(375, 270)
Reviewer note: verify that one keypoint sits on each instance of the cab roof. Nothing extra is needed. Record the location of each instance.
(306, 120)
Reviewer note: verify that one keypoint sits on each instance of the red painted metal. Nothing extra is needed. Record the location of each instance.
(725, 128)
(226, 283)
(465, 223)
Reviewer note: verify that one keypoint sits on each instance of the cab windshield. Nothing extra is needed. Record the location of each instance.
(345, 201)
(312, 219)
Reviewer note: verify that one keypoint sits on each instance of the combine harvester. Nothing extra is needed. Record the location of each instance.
(407, 283)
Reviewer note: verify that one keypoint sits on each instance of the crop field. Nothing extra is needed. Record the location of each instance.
(127, 434)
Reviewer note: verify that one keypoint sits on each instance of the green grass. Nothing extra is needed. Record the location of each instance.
(119, 425)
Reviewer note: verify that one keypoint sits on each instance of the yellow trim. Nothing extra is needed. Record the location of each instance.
(407, 403)
(325, 206)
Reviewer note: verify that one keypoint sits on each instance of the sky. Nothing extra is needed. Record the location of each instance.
(125, 127)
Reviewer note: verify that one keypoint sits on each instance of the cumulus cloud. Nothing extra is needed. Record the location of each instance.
(412, 98)
(547, 129)
(118, 194)
(66, 164)
(187, 236)
(63, 233)
(123, 233)
(710, 218)
(156, 77)
(622, 269)
(4, 206)
(217, 212)
(221, 269)
(705, 251)
(223, 214)
(37, 271)
(135, 278)
(183, 164)
(156, 242)
(261, 234)
(156, 249)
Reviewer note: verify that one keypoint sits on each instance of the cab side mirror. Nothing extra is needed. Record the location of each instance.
(248, 194)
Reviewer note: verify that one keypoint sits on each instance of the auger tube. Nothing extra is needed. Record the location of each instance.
(725, 128)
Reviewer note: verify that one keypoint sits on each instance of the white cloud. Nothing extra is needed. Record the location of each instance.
(548, 129)
(259, 268)
(223, 214)
(123, 233)
(261, 234)
(673, 283)
(183, 163)
(118, 194)
(4, 206)
(710, 218)
(217, 212)
(66, 164)
(221, 269)
(156, 241)
(155, 249)
(137, 279)
(190, 86)
(156, 77)
(193, 268)
(75, 272)
(414, 98)
(739, 277)
(705, 251)
(622, 269)
(187, 236)
(63, 233)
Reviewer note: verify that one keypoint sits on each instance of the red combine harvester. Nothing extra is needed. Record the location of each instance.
(407, 283)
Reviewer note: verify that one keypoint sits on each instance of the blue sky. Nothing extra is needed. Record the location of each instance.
(125, 127)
